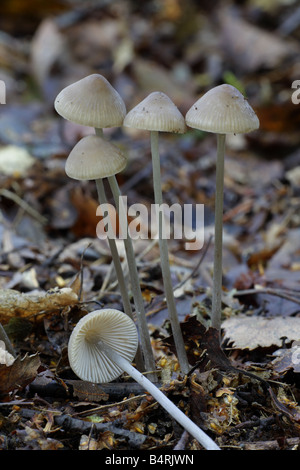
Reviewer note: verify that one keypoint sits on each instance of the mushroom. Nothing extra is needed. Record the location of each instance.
(222, 110)
(91, 101)
(94, 158)
(102, 346)
(157, 113)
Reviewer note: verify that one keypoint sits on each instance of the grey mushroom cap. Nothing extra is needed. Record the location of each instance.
(156, 112)
(222, 110)
(91, 101)
(94, 158)
(112, 327)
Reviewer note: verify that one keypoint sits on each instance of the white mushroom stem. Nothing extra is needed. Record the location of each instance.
(135, 283)
(217, 274)
(164, 257)
(119, 272)
(160, 397)
(115, 256)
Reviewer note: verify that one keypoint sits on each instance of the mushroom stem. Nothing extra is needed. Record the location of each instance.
(135, 283)
(115, 256)
(98, 131)
(166, 273)
(160, 397)
(217, 273)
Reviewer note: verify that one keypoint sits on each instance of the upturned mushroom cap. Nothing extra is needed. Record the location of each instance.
(92, 102)
(156, 112)
(222, 110)
(94, 158)
(112, 327)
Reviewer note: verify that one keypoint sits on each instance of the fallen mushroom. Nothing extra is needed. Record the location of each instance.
(102, 346)
(222, 110)
(157, 113)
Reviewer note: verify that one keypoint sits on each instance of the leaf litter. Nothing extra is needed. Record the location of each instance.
(54, 270)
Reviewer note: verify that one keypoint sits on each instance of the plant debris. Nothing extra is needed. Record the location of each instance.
(243, 391)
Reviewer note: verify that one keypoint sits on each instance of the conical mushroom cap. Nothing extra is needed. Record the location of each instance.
(94, 158)
(222, 110)
(92, 102)
(156, 112)
(112, 327)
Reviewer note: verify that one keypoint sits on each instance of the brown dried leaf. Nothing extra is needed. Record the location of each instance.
(86, 208)
(19, 374)
(197, 338)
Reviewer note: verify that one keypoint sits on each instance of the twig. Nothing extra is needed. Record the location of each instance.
(182, 441)
(67, 423)
(110, 405)
(24, 205)
(266, 290)
(270, 445)
(194, 271)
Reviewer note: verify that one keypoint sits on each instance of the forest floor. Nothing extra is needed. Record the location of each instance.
(53, 269)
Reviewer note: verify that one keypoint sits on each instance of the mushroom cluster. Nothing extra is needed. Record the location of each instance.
(105, 342)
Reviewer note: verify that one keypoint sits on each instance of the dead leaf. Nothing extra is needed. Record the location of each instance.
(250, 47)
(208, 339)
(19, 374)
(47, 48)
(197, 338)
(14, 303)
(87, 218)
(287, 358)
(252, 332)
